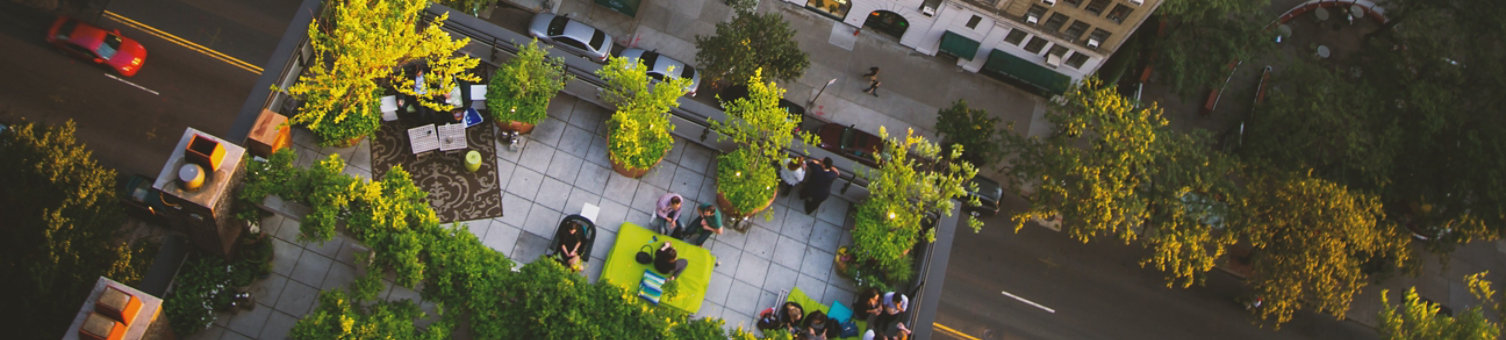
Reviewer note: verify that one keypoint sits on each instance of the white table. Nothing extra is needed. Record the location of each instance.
(452, 137)
(423, 139)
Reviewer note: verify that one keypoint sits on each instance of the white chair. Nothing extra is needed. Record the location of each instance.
(478, 97)
(389, 108)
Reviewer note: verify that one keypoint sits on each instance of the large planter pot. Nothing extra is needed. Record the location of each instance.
(350, 142)
(726, 206)
(521, 127)
(631, 173)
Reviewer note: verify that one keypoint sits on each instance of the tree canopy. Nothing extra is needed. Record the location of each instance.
(1200, 38)
(1418, 319)
(751, 42)
(913, 180)
(972, 129)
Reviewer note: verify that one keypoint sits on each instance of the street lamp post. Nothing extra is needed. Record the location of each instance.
(818, 93)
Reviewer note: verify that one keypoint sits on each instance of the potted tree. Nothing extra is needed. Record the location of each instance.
(746, 178)
(914, 179)
(638, 134)
(519, 93)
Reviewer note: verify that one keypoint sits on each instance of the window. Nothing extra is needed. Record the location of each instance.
(1098, 37)
(1035, 45)
(1075, 31)
(1036, 11)
(1074, 3)
(1055, 23)
(973, 23)
(598, 39)
(1057, 50)
(1077, 59)
(1119, 13)
(1015, 37)
(1096, 6)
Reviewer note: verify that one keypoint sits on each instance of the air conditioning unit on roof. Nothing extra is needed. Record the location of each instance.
(1092, 43)
(1032, 19)
(1137, 2)
(1049, 2)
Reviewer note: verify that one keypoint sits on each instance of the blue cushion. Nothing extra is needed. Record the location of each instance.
(839, 312)
(651, 288)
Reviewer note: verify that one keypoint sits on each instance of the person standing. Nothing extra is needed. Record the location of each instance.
(791, 174)
(895, 303)
(818, 183)
(667, 215)
(708, 222)
(873, 82)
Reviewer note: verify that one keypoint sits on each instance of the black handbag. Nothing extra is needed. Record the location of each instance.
(644, 256)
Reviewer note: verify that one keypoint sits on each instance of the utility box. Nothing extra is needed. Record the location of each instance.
(197, 185)
(269, 134)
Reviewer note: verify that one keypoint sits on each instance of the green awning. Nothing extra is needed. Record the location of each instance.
(629, 7)
(959, 46)
(1002, 64)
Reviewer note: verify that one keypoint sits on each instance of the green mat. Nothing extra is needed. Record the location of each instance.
(622, 270)
(810, 305)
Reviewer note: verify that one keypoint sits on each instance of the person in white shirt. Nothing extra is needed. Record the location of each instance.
(791, 173)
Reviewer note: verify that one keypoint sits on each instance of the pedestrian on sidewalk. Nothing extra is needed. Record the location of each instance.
(873, 82)
(818, 183)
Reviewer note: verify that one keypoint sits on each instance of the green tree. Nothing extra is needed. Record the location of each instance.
(1418, 319)
(1193, 197)
(639, 132)
(1202, 37)
(62, 228)
(338, 316)
(972, 129)
(1311, 238)
(915, 179)
(358, 46)
(748, 43)
(521, 89)
(746, 177)
(472, 7)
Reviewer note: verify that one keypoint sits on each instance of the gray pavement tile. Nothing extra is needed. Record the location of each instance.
(361, 157)
(837, 280)
(328, 248)
(751, 268)
(675, 151)
(357, 172)
(813, 287)
(514, 209)
(611, 216)
(529, 247)
(761, 242)
(835, 293)
(536, 155)
(587, 116)
(598, 153)
(743, 298)
(688, 183)
(288, 231)
(349, 251)
(505, 154)
(696, 157)
(603, 246)
(826, 236)
(502, 237)
(717, 288)
(620, 189)
(296, 298)
(593, 177)
(284, 256)
(233, 335)
(504, 171)
(306, 156)
(817, 262)
(789, 252)
(779, 278)
(647, 198)
(771, 218)
(251, 322)
(578, 198)
(710, 310)
(729, 256)
(593, 269)
(797, 224)
(524, 183)
(565, 165)
(548, 132)
(278, 326)
(270, 224)
(211, 333)
(269, 289)
(542, 220)
(834, 211)
(708, 189)
(660, 175)
(734, 240)
(311, 269)
(339, 276)
(563, 107)
(766, 299)
(478, 227)
(553, 193)
(575, 141)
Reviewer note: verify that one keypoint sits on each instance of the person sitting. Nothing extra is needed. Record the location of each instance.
(819, 327)
(708, 222)
(868, 303)
(792, 317)
(667, 215)
(895, 303)
(667, 260)
(570, 244)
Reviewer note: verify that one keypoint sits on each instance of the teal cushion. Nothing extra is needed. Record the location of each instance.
(839, 312)
(651, 288)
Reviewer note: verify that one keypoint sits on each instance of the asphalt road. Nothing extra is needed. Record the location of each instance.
(1093, 291)
(132, 124)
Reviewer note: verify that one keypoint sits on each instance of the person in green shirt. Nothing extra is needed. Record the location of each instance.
(708, 221)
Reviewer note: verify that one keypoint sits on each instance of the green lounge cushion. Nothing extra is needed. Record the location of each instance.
(798, 296)
(622, 270)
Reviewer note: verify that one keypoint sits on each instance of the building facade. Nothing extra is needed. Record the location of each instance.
(1044, 45)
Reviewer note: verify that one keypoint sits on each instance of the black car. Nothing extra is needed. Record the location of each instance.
(140, 199)
(732, 93)
(989, 193)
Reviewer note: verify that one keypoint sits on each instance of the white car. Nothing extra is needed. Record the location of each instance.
(573, 35)
(659, 67)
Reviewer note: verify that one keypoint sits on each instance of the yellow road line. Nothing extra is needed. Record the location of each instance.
(184, 42)
(953, 332)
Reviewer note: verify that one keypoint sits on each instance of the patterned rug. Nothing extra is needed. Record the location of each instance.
(455, 194)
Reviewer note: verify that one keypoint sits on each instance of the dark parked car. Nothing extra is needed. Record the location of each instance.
(140, 199)
(735, 92)
(989, 193)
(109, 48)
(850, 142)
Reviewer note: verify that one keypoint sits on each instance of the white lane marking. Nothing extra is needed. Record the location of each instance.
(143, 88)
(1032, 303)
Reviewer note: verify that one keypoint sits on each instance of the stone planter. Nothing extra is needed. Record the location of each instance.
(521, 127)
(350, 142)
(726, 206)
(631, 173)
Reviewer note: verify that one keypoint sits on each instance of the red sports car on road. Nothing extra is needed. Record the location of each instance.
(121, 54)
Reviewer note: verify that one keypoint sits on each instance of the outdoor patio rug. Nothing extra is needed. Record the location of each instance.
(455, 194)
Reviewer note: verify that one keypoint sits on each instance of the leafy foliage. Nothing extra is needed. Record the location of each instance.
(745, 181)
(1415, 318)
(639, 132)
(1202, 37)
(915, 179)
(973, 130)
(749, 43)
(1336, 127)
(521, 89)
(357, 47)
(1192, 199)
(472, 7)
(207, 284)
(756, 123)
(340, 317)
(62, 227)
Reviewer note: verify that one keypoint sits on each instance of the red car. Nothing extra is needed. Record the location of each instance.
(850, 142)
(121, 54)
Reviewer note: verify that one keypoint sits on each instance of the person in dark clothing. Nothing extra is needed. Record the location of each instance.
(868, 303)
(668, 261)
(818, 183)
(895, 303)
(873, 82)
(818, 326)
(791, 317)
(570, 244)
(707, 222)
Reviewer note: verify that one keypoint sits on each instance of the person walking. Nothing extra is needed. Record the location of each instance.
(791, 173)
(818, 183)
(873, 82)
